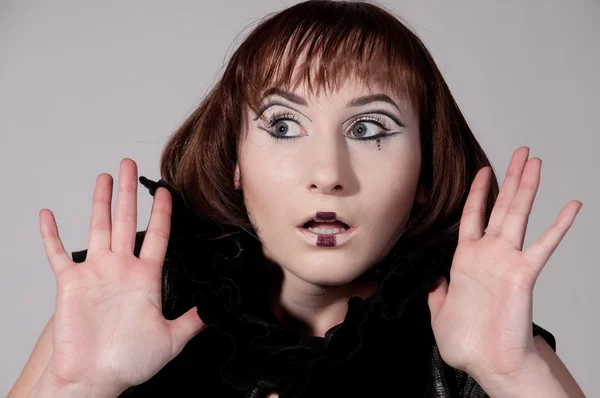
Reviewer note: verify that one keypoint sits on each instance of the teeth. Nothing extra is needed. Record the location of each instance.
(325, 231)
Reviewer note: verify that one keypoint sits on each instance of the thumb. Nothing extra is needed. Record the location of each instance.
(437, 296)
(184, 328)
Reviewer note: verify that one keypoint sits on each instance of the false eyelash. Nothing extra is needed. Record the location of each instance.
(276, 117)
(285, 115)
(384, 133)
(282, 115)
(372, 118)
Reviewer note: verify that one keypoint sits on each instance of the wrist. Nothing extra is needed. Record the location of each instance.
(535, 379)
(49, 385)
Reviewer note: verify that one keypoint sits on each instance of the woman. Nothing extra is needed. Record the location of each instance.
(321, 234)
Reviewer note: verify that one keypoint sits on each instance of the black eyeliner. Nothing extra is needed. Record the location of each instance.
(379, 136)
(272, 103)
(381, 112)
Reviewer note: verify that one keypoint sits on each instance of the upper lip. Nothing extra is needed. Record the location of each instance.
(338, 217)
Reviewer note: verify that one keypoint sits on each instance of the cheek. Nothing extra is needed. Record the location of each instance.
(269, 175)
(388, 189)
(266, 162)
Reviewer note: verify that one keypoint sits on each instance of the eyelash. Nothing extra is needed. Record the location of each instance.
(284, 115)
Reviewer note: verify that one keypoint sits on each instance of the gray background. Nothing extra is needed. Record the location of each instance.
(84, 84)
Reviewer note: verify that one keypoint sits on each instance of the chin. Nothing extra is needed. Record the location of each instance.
(324, 271)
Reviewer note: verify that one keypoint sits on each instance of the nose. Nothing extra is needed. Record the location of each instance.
(329, 164)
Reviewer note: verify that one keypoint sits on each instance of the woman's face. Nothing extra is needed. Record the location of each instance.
(323, 158)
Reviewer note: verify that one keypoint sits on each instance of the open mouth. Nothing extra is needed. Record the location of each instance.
(326, 228)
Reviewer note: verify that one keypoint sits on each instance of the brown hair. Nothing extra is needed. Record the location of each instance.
(340, 39)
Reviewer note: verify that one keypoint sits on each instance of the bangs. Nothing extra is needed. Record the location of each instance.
(331, 43)
(322, 44)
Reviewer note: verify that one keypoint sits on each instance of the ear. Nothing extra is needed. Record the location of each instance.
(236, 176)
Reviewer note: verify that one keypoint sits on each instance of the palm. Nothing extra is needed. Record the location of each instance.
(106, 313)
(482, 320)
(108, 324)
(482, 301)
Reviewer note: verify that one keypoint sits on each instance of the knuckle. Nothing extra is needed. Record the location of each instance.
(101, 225)
(502, 202)
(560, 223)
(49, 234)
(513, 173)
(101, 199)
(475, 187)
(158, 232)
(472, 209)
(127, 188)
(127, 218)
(56, 251)
(516, 210)
(121, 247)
(162, 210)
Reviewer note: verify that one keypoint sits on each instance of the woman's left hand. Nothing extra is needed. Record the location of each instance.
(482, 320)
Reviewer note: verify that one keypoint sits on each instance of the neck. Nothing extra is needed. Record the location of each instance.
(308, 309)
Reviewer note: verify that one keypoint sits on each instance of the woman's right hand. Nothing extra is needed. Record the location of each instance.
(108, 327)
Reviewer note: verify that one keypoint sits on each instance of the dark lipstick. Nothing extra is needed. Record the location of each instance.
(326, 240)
(325, 216)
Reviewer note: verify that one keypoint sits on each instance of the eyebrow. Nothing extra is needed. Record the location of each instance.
(360, 101)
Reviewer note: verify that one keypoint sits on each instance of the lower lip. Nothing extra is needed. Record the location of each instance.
(340, 238)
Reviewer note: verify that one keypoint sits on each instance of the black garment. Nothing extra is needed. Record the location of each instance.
(384, 347)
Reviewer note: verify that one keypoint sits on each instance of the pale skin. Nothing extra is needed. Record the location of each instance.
(482, 320)
(283, 181)
(325, 167)
(108, 309)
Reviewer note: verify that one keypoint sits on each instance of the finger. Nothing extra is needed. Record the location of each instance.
(517, 216)
(473, 216)
(541, 250)
(55, 251)
(156, 238)
(184, 328)
(100, 224)
(125, 219)
(510, 185)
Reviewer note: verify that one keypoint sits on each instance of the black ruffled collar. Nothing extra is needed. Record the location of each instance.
(227, 293)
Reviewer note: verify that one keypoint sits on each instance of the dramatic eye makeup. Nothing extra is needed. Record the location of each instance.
(284, 125)
(274, 125)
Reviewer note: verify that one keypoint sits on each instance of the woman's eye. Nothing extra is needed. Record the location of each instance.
(367, 128)
(284, 126)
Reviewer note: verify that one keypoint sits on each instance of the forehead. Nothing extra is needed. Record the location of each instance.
(314, 78)
(351, 90)
(350, 94)
(336, 81)
(347, 88)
